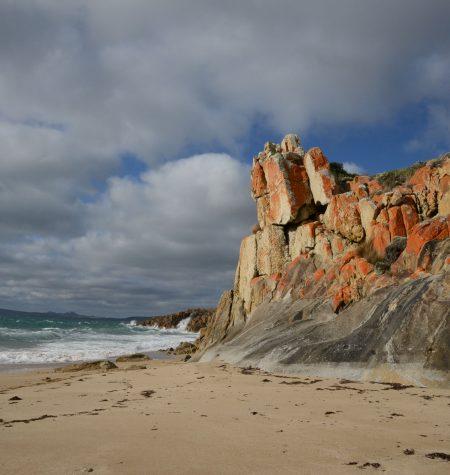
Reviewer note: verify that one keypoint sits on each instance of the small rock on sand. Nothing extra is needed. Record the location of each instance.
(148, 393)
(439, 455)
(134, 357)
(103, 365)
(136, 367)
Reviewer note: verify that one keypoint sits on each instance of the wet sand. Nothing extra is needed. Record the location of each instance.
(192, 418)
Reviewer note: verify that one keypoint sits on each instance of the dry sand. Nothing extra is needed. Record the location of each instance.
(216, 419)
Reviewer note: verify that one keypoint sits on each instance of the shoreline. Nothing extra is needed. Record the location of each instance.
(167, 416)
(28, 367)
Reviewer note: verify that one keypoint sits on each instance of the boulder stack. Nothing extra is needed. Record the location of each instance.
(338, 246)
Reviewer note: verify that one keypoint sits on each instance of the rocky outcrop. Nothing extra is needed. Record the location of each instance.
(199, 318)
(280, 183)
(184, 348)
(133, 358)
(343, 218)
(399, 333)
(321, 181)
(323, 251)
(102, 365)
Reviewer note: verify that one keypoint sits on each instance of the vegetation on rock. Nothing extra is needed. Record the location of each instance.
(340, 173)
(390, 179)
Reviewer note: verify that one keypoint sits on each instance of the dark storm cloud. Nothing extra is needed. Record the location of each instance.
(83, 81)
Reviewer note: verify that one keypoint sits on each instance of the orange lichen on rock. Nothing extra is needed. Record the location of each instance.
(396, 224)
(318, 274)
(363, 267)
(374, 187)
(444, 196)
(341, 298)
(437, 228)
(342, 216)
(313, 241)
(410, 217)
(381, 238)
(321, 181)
(288, 189)
(358, 186)
(258, 181)
(430, 185)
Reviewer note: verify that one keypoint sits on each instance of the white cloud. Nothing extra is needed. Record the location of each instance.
(352, 167)
(436, 135)
(167, 241)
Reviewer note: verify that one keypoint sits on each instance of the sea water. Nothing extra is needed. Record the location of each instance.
(45, 339)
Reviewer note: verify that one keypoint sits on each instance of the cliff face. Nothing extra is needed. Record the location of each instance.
(340, 273)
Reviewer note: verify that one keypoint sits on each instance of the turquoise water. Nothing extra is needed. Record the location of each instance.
(46, 338)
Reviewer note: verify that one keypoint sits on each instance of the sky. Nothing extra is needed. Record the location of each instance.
(127, 131)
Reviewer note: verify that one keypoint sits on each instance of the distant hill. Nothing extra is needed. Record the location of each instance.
(6, 312)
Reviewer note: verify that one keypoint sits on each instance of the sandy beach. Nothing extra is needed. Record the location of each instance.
(171, 417)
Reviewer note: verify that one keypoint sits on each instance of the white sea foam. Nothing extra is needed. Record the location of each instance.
(132, 325)
(182, 326)
(67, 345)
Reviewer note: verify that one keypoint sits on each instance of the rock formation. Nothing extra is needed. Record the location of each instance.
(133, 358)
(199, 318)
(351, 273)
(103, 365)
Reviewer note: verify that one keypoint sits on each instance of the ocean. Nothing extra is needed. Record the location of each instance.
(46, 339)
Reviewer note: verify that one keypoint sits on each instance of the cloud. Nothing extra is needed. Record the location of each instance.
(129, 76)
(435, 136)
(352, 167)
(42, 175)
(167, 241)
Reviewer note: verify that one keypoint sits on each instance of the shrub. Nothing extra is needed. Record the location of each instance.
(366, 250)
(381, 264)
(394, 249)
(340, 173)
(393, 178)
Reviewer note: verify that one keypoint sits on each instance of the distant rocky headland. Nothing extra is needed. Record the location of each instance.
(198, 319)
(342, 275)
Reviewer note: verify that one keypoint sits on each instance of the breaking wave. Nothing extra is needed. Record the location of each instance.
(33, 341)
